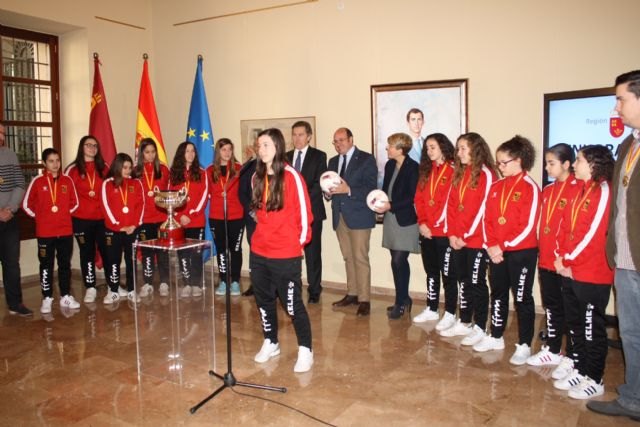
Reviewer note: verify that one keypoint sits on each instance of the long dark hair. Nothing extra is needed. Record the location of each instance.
(217, 162)
(275, 201)
(138, 171)
(564, 153)
(480, 154)
(600, 160)
(79, 161)
(448, 152)
(179, 165)
(115, 171)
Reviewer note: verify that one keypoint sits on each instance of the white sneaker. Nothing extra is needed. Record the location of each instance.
(544, 357)
(587, 389)
(111, 297)
(267, 351)
(196, 291)
(564, 368)
(567, 383)
(447, 321)
(90, 295)
(164, 290)
(474, 337)
(185, 292)
(69, 301)
(146, 290)
(459, 329)
(305, 360)
(426, 316)
(133, 297)
(45, 308)
(122, 291)
(520, 356)
(488, 343)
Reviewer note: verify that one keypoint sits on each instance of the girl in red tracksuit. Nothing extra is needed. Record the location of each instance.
(511, 233)
(153, 175)
(223, 177)
(581, 258)
(555, 201)
(474, 173)
(186, 173)
(51, 199)
(284, 217)
(123, 206)
(434, 183)
(87, 172)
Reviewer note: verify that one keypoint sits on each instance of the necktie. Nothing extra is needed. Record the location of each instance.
(344, 165)
(298, 164)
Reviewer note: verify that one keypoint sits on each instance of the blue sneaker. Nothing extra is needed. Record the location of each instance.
(235, 289)
(222, 289)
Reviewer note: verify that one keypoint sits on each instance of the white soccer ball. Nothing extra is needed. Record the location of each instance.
(376, 199)
(329, 180)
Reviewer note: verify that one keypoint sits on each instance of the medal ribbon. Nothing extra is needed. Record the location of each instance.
(433, 184)
(266, 189)
(463, 186)
(631, 159)
(503, 202)
(149, 178)
(124, 196)
(575, 208)
(53, 190)
(91, 179)
(223, 185)
(551, 207)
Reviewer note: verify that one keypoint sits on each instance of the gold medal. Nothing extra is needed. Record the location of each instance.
(625, 180)
(92, 193)
(54, 209)
(460, 207)
(547, 230)
(432, 202)
(125, 209)
(150, 193)
(502, 220)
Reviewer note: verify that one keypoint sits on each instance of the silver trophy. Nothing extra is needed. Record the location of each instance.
(170, 232)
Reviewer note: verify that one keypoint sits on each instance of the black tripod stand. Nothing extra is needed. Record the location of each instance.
(228, 379)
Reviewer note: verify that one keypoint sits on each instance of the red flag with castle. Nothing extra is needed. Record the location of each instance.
(99, 121)
(147, 124)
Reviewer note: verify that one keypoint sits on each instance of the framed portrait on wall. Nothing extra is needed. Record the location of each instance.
(417, 109)
(249, 130)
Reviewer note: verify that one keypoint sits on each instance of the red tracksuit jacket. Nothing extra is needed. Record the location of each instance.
(234, 207)
(582, 245)
(89, 205)
(466, 222)
(152, 213)
(197, 195)
(555, 201)
(38, 202)
(113, 203)
(520, 199)
(284, 233)
(431, 200)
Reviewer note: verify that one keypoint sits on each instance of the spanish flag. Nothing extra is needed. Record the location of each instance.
(147, 124)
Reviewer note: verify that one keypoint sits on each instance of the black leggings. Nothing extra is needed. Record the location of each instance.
(401, 275)
(191, 262)
(439, 258)
(151, 258)
(60, 248)
(117, 243)
(88, 234)
(474, 293)
(236, 229)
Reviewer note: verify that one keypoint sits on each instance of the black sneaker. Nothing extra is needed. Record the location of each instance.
(21, 310)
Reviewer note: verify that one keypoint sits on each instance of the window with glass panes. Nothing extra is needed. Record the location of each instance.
(30, 100)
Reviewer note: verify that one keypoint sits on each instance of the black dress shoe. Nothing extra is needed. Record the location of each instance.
(364, 308)
(347, 300)
(248, 292)
(313, 299)
(612, 408)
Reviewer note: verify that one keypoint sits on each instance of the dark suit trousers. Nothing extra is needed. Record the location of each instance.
(313, 259)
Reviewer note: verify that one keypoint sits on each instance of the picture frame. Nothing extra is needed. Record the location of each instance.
(443, 103)
(249, 130)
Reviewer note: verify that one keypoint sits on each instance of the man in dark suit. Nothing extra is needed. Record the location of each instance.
(352, 219)
(311, 163)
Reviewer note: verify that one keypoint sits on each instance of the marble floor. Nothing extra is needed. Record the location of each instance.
(81, 369)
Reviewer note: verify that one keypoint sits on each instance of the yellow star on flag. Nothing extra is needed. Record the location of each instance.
(204, 135)
(191, 133)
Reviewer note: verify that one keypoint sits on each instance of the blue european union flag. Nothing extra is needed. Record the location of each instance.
(200, 133)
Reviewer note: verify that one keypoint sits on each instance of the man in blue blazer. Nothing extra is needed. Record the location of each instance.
(352, 219)
(311, 163)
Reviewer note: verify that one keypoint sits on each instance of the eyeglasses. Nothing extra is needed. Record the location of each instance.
(505, 162)
(91, 145)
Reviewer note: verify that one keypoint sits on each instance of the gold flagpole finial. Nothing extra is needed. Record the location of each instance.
(145, 56)
(95, 55)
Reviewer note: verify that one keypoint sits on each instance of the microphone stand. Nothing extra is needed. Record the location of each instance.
(228, 379)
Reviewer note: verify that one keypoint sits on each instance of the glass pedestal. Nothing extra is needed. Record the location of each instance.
(175, 333)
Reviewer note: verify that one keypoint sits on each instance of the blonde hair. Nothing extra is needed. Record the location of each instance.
(400, 141)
